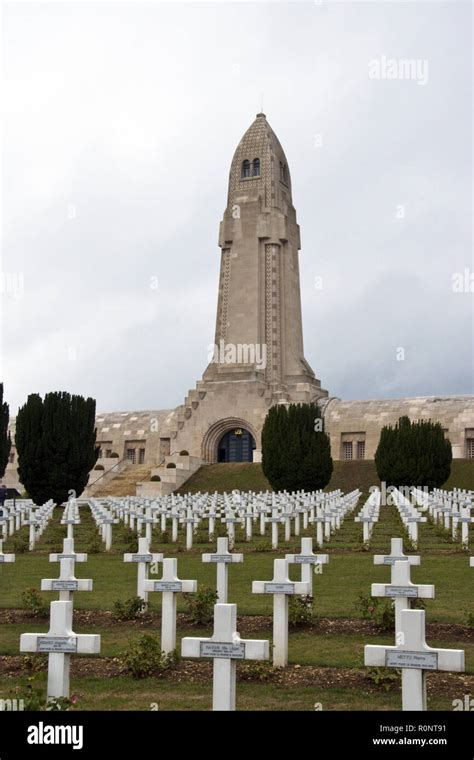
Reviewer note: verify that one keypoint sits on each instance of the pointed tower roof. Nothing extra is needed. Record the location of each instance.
(271, 179)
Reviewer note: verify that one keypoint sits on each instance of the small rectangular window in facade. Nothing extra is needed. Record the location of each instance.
(360, 449)
(347, 450)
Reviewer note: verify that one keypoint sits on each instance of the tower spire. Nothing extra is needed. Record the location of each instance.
(259, 303)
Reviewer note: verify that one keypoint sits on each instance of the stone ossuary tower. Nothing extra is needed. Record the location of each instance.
(258, 355)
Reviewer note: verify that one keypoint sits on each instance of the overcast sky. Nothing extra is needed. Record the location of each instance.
(121, 120)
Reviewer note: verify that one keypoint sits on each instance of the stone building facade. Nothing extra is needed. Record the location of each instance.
(259, 358)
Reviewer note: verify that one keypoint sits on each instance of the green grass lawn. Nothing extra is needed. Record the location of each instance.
(125, 693)
(350, 572)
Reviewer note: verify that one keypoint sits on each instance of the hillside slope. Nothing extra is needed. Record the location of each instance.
(347, 476)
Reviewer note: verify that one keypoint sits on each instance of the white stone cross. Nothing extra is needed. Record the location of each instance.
(298, 511)
(70, 520)
(320, 521)
(68, 553)
(106, 521)
(174, 524)
(189, 521)
(230, 520)
(143, 558)
(368, 520)
(415, 658)
(402, 590)
(60, 642)
(32, 522)
(148, 520)
(5, 557)
(396, 555)
(211, 515)
(463, 517)
(262, 511)
(329, 522)
(275, 520)
(413, 521)
(225, 647)
(164, 514)
(286, 517)
(248, 515)
(307, 559)
(281, 587)
(4, 520)
(169, 585)
(67, 583)
(222, 558)
(11, 519)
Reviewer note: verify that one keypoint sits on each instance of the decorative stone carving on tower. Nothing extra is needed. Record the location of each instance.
(258, 326)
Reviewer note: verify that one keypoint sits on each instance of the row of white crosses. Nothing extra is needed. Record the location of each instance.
(449, 509)
(13, 515)
(248, 511)
(281, 587)
(24, 512)
(369, 515)
(329, 516)
(169, 585)
(37, 520)
(410, 653)
(409, 515)
(61, 642)
(104, 519)
(225, 647)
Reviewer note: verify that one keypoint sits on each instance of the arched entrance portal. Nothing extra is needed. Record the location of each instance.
(236, 445)
(235, 451)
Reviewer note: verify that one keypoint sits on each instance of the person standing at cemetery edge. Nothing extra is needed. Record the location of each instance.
(3, 494)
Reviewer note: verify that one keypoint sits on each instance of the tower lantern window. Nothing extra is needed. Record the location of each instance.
(256, 167)
(246, 169)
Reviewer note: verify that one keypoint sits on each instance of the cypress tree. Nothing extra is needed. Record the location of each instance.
(5, 440)
(413, 454)
(296, 456)
(55, 439)
(272, 452)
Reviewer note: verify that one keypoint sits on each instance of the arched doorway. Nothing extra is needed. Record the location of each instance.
(237, 445)
(218, 430)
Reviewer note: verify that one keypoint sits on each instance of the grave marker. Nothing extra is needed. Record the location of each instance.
(224, 647)
(169, 585)
(281, 587)
(222, 558)
(415, 658)
(402, 590)
(143, 558)
(307, 559)
(60, 642)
